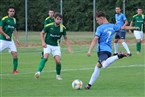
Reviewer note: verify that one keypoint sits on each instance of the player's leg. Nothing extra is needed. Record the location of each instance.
(58, 67)
(138, 41)
(102, 56)
(104, 61)
(116, 43)
(141, 36)
(122, 40)
(13, 50)
(41, 65)
(57, 54)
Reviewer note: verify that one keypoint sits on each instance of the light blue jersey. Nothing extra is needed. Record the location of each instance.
(120, 18)
(105, 33)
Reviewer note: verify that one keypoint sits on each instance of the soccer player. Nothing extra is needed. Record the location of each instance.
(50, 43)
(103, 37)
(7, 28)
(49, 19)
(120, 35)
(138, 20)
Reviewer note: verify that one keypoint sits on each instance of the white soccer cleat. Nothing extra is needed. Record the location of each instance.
(37, 75)
(58, 77)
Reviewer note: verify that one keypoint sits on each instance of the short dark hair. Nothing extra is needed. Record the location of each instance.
(11, 7)
(118, 7)
(100, 14)
(139, 7)
(50, 10)
(57, 15)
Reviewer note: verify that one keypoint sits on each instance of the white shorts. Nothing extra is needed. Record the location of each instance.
(10, 45)
(138, 34)
(55, 50)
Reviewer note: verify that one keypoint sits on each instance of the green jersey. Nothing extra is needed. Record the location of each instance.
(138, 21)
(54, 33)
(48, 20)
(8, 25)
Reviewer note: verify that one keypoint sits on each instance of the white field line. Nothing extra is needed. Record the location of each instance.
(80, 69)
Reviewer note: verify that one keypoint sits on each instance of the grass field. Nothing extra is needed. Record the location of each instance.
(124, 78)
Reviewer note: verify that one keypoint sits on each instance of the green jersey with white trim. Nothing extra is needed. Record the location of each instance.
(54, 33)
(48, 20)
(8, 25)
(138, 21)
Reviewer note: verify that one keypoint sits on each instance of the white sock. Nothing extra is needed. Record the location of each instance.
(109, 61)
(115, 47)
(94, 75)
(126, 47)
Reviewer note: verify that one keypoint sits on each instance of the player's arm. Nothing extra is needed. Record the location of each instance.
(125, 23)
(130, 28)
(42, 34)
(16, 36)
(93, 43)
(125, 20)
(67, 43)
(2, 32)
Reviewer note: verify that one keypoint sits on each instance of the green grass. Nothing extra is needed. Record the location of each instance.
(124, 78)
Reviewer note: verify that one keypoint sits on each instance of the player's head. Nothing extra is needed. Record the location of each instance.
(139, 10)
(117, 9)
(11, 11)
(58, 18)
(51, 12)
(100, 17)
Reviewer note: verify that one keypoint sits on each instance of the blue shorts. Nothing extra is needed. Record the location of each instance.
(120, 35)
(103, 55)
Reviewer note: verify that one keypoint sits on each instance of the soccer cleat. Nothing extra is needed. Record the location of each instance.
(88, 86)
(15, 72)
(37, 75)
(58, 77)
(115, 54)
(129, 54)
(121, 55)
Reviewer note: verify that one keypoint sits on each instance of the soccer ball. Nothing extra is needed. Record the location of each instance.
(77, 84)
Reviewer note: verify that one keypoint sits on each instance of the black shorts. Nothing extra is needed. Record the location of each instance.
(120, 35)
(103, 55)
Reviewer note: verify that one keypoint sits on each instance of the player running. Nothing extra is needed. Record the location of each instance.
(103, 37)
(120, 35)
(7, 28)
(138, 20)
(49, 19)
(50, 43)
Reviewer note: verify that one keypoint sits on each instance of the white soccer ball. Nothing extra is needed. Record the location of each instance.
(77, 84)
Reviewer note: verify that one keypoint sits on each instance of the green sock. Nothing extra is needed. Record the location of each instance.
(15, 63)
(138, 46)
(42, 64)
(58, 69)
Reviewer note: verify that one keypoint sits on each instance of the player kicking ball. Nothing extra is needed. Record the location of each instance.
(53, 33)
(103, 37)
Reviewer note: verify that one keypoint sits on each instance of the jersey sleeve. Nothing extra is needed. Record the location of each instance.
(2, 22)
(64, 31)
(133, 19)
(45, 29)
(98, 32)
(124, 17)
